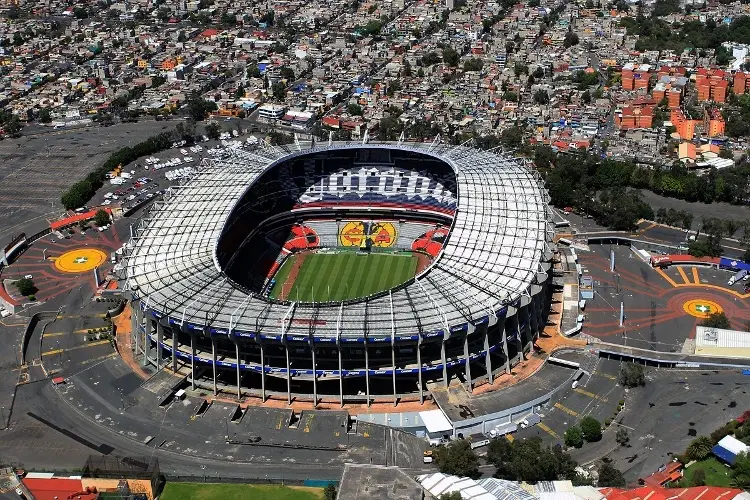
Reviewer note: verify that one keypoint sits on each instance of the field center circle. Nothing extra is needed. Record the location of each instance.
(701, 308)
(80, 260)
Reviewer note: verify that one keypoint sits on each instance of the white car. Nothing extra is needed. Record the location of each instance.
(106, 202)
(29, 277)
(183, 152)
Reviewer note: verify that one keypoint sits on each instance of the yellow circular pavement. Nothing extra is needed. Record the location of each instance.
(80, 260)
(701, 308)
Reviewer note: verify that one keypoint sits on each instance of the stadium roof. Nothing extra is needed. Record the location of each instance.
(498, 249)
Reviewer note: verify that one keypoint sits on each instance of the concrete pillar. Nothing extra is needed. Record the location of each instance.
(288, 376)
(341, 378)
(139, 318)
(175, 346)
(192, 360)
(505, 346)
(239, 376)
(213, 364)
(445, 364)
(134, 306)
(315, 374)
(466, 357)
(367, 373)
(487, 360)
(393, 365)
(159, 342)
(419, 372)
(262, 373)
(147, 332)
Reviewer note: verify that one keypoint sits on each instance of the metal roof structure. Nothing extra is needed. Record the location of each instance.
(497, 251)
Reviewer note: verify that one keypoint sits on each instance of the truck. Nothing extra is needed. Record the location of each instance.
(737, 277)
(529, 420)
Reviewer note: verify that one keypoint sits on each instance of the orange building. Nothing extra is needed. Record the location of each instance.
(712, 85)
(741, 82)
(684, 126)
(713, 123)
(631, 116)
(168, 64)
(635, 78)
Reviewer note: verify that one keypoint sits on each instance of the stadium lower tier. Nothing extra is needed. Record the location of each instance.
(352, 369)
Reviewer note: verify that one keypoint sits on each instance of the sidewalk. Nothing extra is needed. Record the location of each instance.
(124, 349)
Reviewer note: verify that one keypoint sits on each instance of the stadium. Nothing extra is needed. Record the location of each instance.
(356, 271)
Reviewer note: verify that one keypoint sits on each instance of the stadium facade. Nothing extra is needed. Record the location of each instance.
(201, 269)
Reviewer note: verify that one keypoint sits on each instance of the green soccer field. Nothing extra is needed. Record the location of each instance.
(342, 276)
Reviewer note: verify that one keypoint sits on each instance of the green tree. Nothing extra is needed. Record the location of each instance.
(406, 68)
(632, 375)
(329, 493)
(591, 429)
(44, 115)
(458, 459)
(286, 73)
(586, 97)
(453, 495)
(278, 90)
(699, 448)
(622, 437)
(609, 476)
(198, 107)
(570, 39)
(574, 437)
(699, 478)
(213, 130)
(450, 57)
(541, 97)
(101, 218)
(473, 64)
(717, 320)
(354, 109)
(512, 137)
(253, 71)
(741, 471)
(26, 287)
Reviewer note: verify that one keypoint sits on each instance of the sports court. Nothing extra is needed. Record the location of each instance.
(322, 277)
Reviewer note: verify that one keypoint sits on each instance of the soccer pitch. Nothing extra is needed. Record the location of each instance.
(325, 277)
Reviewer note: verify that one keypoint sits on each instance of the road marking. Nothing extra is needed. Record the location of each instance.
(605, 375)
(99, 358)
(72, 316)
(510, 438)
(684, 275)
(665, 276)
(590, 394)
(82, 346)
(566, 409)
(696, 276)
(549, 431)
(59, 334)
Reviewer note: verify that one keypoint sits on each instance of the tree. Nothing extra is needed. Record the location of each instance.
(473, 64)
(198, 107)
(286, 73)
(458, 459)
(574, 437)
(450, 57)
(541, 97)
(586, 97)
(591, 429)
(741, 471)
(329, 493)
(453, 495)
(699, 448)
(609, 476)
(44, 115)
(499, 450)
(354, 109)
(253, 71)
(213, 130)
(101, 218)
(699, 478)
(26, 287)
(278, 90)
(406, 68)
(512, 137)
(632, 375)
(622, 437)
(570, 39)
(538, 73)
(717, 320)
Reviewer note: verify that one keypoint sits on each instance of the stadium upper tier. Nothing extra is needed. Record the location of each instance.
(496, 251)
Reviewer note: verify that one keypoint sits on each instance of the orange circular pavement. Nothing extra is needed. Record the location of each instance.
(80, 260)
(701, 308)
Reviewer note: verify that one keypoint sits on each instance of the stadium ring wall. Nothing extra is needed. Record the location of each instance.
(471, 315)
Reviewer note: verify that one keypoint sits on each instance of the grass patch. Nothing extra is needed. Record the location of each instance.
(347, 275)
(717, 474)
(212, 491)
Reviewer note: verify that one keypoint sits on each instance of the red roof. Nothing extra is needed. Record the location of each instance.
(77, 218)
(49, 489)
(658, 493)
